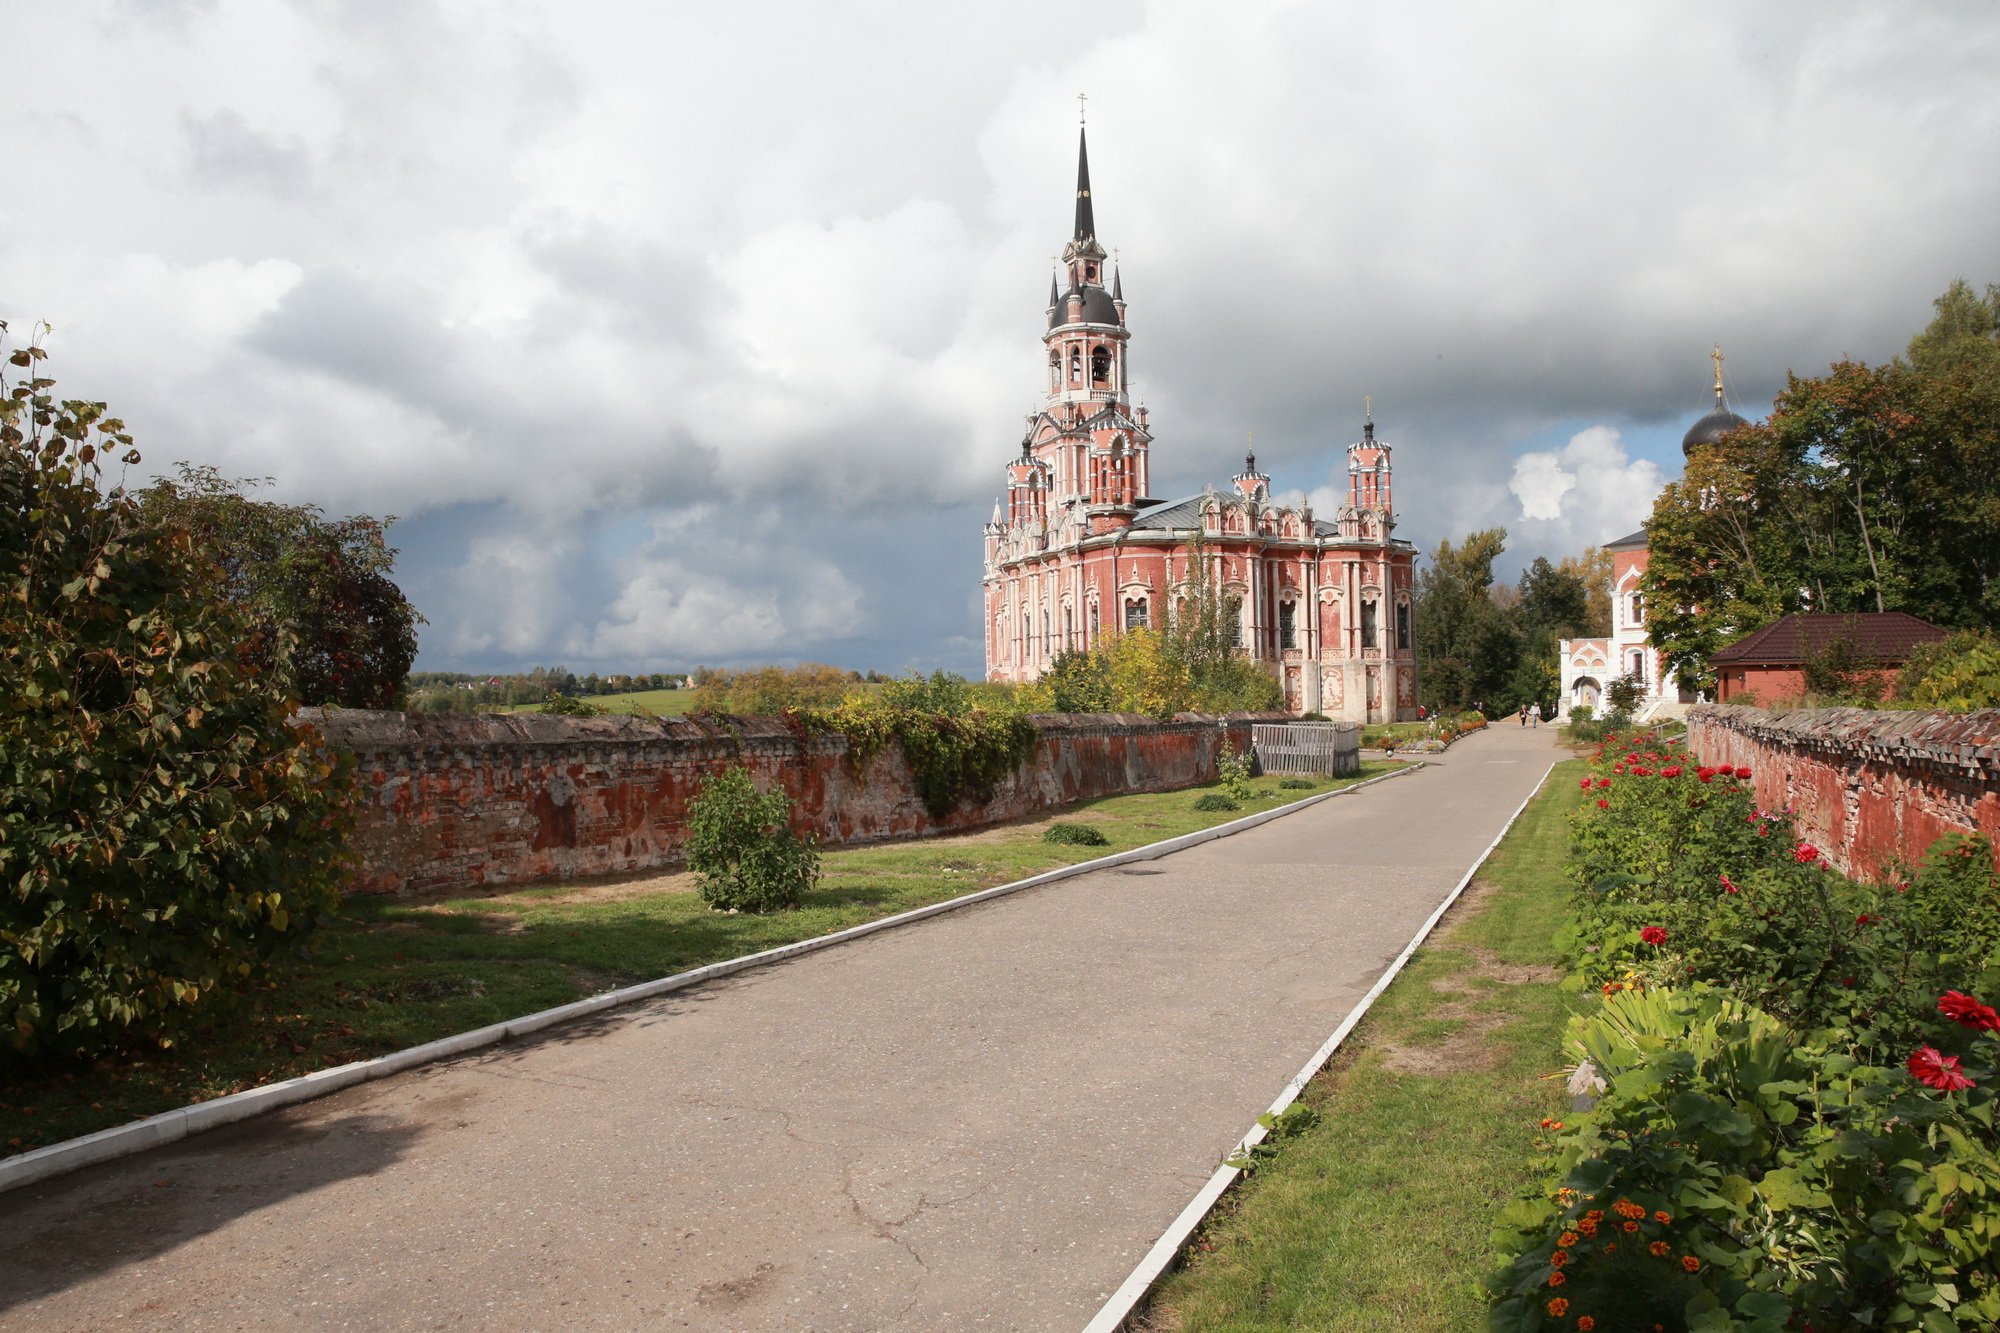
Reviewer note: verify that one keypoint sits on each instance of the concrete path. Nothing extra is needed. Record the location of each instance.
(978, 1122)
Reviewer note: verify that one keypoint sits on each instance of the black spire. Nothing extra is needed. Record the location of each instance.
(1054, 295)
(1117, 285)
(1086, 225)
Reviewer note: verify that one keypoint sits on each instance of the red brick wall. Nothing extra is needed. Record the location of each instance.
(455, 802)
(1866, 786)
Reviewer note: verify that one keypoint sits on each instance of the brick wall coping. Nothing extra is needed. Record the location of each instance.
(1959, 742)
(365, 731)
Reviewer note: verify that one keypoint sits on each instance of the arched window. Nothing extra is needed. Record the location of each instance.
(1075, 365)
(1367, 622)
(1100, 365)
(1055, 370)
(1638, 609)
(1135, 613)
(1287, 626)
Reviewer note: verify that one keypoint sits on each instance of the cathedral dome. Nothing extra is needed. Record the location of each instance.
(1710, 429)
(1098, 307)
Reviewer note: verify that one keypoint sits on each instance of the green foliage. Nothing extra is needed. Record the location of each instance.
(1290, 1123)
(1232, 769)
(1469, 646)
(742, 849)
(1298, 784)
(164, 833)
(1215, 800)
(953, 755)
(331, 624)
(1764, 1021)
(564, 705)
(1869, 489)
(769, 691)
(1074, 835)
(1960, 673)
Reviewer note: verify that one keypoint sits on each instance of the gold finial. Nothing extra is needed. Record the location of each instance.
(1717, 355)
(1368, 406)
(1079, 107)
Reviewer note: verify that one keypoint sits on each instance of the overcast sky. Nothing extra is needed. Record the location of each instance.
(684, 333)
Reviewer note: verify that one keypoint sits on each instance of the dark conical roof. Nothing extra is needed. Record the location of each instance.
(1086, 223)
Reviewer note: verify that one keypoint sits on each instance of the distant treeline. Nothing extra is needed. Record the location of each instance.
(475, 692)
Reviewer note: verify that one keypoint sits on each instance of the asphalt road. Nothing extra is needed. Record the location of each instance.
(980, 1121)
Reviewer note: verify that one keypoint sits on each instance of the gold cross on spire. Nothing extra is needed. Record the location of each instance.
(1717, 355)
(1368, 406)
(1079, 107)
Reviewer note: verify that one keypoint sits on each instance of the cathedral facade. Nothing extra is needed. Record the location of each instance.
(1078, 549)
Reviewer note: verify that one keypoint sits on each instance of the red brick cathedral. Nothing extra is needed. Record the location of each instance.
(1079, 549)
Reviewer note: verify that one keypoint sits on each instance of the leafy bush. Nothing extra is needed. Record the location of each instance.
(953, 755)
(165, 835)
(741, 847)
(329, 620)
(1960, 673)
(1213, 801)
(1796, 1126)
(568, 705)
(1075, 835)
(1298, 784)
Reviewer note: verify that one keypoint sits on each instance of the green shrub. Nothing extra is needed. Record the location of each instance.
(742, 850)
(567, 705)
(1213, 801)
(1798, 1115)
(1298, 784)
(953, 756)
(1960, 673)
(165, 834)
(1075, 835)
(1233, 771)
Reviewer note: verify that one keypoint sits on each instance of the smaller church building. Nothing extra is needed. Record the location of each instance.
(1590, 665)
(1079, 549)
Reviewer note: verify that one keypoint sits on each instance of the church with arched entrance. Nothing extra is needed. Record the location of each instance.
(1078, 548)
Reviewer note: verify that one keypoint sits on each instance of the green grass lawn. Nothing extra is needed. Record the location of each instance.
(388, 974)
(660, 703)
(1378, 1216)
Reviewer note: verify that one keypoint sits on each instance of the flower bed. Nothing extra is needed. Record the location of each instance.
(1794, 1121)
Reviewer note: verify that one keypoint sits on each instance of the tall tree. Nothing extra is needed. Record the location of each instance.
(1467, 647)
(332, 625)
(1869, 489)
(1593, 568)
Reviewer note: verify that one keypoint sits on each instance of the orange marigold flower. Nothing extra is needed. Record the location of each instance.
(1567, 1239)
(1585, 1323)
(1594, 1215)
(1587, 1227)
(1630, 1226)
(1559, 1258)
(1659, 1249)
(1664, 1218)
(1557, 1278)
(1558, 1308)
(1692, 1264)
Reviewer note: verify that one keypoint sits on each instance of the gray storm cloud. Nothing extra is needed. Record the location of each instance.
(679, 338)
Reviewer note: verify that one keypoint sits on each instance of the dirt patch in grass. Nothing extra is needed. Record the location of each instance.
(1466, 1051)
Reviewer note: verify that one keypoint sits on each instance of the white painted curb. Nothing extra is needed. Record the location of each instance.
(1135, 1288)
(121, 1140)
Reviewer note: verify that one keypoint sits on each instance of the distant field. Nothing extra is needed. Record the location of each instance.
(661, 703)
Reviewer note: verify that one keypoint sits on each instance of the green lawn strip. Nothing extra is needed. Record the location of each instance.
(1378, 1216)
(389, 974)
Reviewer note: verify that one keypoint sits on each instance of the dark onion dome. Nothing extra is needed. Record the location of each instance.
(1099, 307)
(1710, 429)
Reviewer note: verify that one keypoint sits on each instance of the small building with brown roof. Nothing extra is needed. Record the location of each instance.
(1770, 664)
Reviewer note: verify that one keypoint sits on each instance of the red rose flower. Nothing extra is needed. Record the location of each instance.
(1729, 885)
(1603, 784)
(1743, 773)
(1705, 774)
(1671, 771)
(1654, 935)
(1805, 853)
(1584, 783)
(1932, 1069)
(1603, 804)
(1965, 1011)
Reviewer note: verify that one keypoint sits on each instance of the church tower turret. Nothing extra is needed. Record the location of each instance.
(1370, 511)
